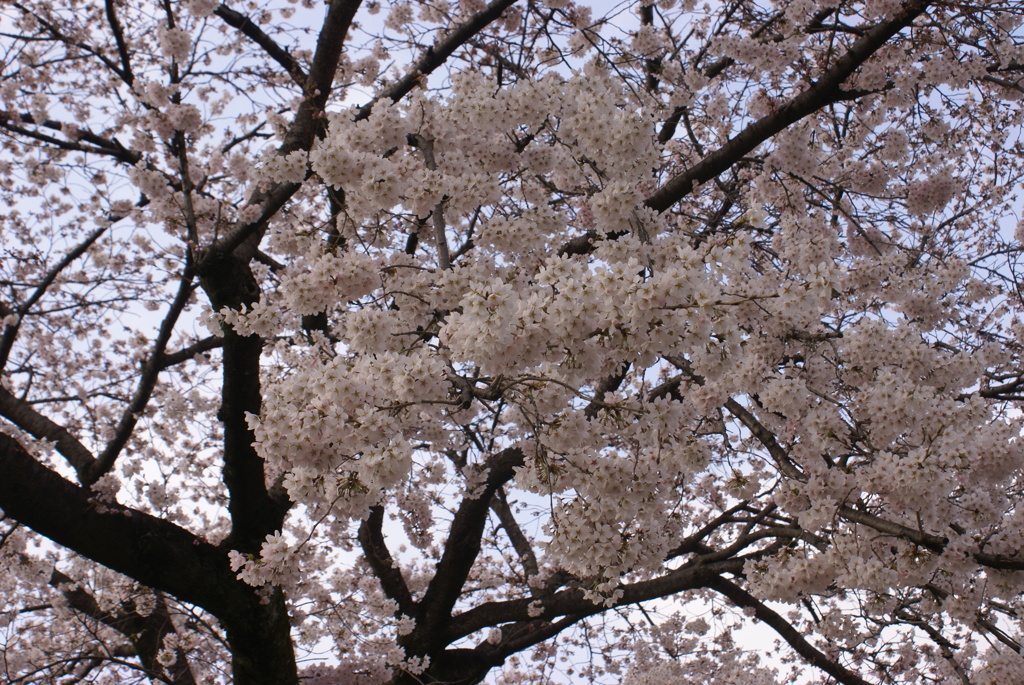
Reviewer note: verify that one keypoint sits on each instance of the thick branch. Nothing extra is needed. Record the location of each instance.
(170, 359)
(521, 636)
(156, 553)
(308, 120)
(824, 91)
(375, 549)
(230, 283)
(814, 656)
(460, 551)
(935, 543)
(690, 576)
(25, 417)
(122, 46)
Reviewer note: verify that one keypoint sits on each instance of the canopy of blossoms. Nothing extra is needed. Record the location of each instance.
(522, 342)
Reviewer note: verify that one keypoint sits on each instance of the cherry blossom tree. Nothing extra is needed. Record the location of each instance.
(520, 342)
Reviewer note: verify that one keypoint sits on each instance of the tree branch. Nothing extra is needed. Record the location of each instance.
(521, 544)
(122, 47)
(460, 551)
(146, 384)
(766, 438)
(809, 652)
(10, 331)
(254, 33)
(934, 543)
(170, 359)
(255, 514)
(153, 551)
(691, 576)
(375, 549)
(156, 553)
(25, 417)
(101, 145)
(824, 91)
(146, 633)
(438, 54)
(308, 120)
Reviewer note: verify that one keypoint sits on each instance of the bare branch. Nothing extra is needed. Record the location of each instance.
(371, 539)
(122, 46)
(462, 546)
(108, 147)
(170, 359)
(241, 22)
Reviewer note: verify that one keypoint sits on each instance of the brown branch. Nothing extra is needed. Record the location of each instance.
(170, 359)
(652, 65)
(472, 665)
(437, 54)
(146, 633)
(809, 652)
(935, 543)
(146, 383)
(608, 384)
(320, 80)
(668, 129)
(822, 92)
(10, 331)
(460, 552)
(254, 33)
(766, 438)
(691, 576)
(300, 135)
(255, 512)
(444, 261)
(122, 47)
(375, 549)
(156, 553)
(100, 145)
(947, 649)
(153, 551)
(25, 417)
(517, 637)
(520, 543)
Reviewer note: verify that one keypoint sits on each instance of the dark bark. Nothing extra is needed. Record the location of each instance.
(438, 54)
(254, 33)
(825, 91)
(371, 539)
(254, 513)
(814, 656)
(146, 633)
(156, 553)
(460, 552)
